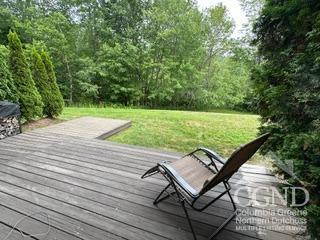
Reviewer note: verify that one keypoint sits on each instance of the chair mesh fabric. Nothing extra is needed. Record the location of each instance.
(193, 171)
(235, 161)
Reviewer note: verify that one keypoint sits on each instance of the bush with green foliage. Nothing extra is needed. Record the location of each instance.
(40, 77)
(118, 67)
(29, 97)
(7, 87)
(287, 86)
(55, 106)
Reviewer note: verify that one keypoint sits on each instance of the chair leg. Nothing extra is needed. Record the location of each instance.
(223, 225)
(182, 202)
(189, 220)
(226, 184)
(234, 213)
(232, 201)
(158, 199)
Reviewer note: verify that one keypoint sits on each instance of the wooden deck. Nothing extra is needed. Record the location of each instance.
(91, 189)
(87, 127)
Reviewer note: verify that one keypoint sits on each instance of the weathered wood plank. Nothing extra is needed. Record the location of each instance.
(135, 187)
(105, 173)
(146, 193)
(139, 209)
(68, 224)
(138, 149)
(95, 185)
(123, 160)
(35, 224)
(5, 230)
(138, 158)
(138, 206)
(87, 127)
(95, 216)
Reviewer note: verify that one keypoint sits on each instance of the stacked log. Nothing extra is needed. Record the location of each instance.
(9, 126)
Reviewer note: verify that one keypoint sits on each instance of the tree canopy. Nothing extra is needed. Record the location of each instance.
(163, 53)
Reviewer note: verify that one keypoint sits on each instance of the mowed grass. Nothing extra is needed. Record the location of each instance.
(180, 131)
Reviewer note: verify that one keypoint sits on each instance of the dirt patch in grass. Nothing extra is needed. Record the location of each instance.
(40, 123)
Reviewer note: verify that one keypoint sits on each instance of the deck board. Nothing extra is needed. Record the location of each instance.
(91, 190)
(87, 127)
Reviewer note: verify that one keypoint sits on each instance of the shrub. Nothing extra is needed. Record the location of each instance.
(40, 78)
(56, 100)
(7, 87)
(29, 97)
(287, 86)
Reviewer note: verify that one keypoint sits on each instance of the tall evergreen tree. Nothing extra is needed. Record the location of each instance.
(7, 87)
(29, 97)
(56, 100)
(287, 85)
(40, 77)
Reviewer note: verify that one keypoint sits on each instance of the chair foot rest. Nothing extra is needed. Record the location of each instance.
(150, 172)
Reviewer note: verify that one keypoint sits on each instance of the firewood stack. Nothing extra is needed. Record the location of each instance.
(9, 119)
(9, 127)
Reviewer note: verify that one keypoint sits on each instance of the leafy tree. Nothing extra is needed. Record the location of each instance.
(55, 106)
(57, 33)
(174, 38)
(117, 71)
(229, 85)
(142, 52)
(6, 23)
(7, 88)
(125, 19)
(22, 9)
(29, 97)
(219, 28)
(287, 85)
(86, 88)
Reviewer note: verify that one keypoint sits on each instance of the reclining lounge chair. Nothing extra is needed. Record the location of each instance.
(191, 177)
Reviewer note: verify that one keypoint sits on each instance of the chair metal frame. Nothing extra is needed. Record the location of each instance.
(182, 189)
(186, 197)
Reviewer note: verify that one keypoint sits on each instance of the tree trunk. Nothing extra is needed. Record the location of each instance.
(70, 79)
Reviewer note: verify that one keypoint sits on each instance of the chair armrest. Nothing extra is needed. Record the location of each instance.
(211, 154)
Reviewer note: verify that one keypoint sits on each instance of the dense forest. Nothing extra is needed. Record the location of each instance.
(163, 53)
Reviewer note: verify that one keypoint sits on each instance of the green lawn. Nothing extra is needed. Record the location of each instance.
(180, 131)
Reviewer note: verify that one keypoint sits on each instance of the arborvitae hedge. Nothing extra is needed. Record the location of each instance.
(29, 97)
(7, 87)
(287, 85)
(56, 99)
(40, 77)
